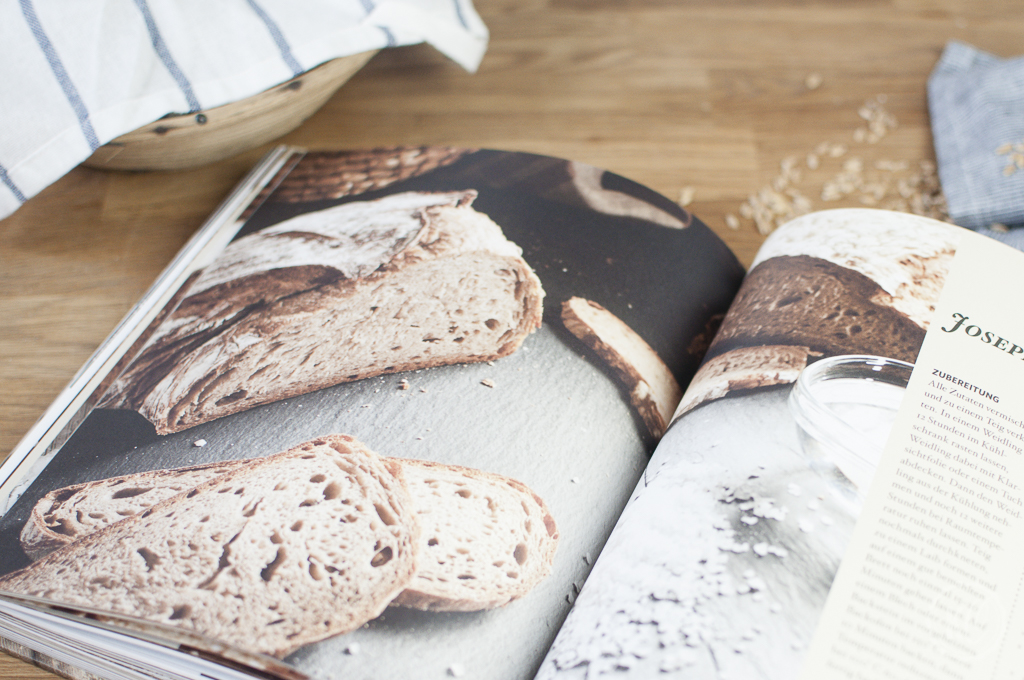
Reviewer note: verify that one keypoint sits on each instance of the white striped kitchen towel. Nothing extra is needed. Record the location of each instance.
(74, 74)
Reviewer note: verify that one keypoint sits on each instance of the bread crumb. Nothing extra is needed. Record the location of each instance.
(403, 384)
(487, 382)
(199, 442)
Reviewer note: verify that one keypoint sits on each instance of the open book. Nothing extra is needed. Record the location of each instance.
(438, 412)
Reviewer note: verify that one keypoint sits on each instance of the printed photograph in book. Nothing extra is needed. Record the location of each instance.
(388, 428)
(721, 563)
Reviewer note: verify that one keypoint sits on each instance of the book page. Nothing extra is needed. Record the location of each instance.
(481, 348)
(723, 561)
(930, 585)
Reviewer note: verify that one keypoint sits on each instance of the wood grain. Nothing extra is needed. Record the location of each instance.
(670, 93)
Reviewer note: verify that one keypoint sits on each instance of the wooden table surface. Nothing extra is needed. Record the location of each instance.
(711, 95)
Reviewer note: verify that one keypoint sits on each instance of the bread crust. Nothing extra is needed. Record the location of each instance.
(652, 388)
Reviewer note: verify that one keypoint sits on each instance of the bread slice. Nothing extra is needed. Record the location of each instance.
(67, 514)
(287, 550)
(485, 539)
(745, 368)
(408, 281)
(653, 389)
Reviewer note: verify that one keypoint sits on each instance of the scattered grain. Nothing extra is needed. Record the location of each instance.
(686, 196)
(890, 185)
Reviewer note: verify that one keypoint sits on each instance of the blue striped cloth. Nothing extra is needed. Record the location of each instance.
(77, 74)
(976, 104)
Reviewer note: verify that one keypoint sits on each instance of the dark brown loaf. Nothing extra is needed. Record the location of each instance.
(813, 303)
(405, 282)
(287, 550)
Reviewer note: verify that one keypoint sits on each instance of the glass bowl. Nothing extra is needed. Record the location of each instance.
(844, 407)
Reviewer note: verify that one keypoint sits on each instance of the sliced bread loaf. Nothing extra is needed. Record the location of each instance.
(408, 281)
(273, 555)
(485, 539)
